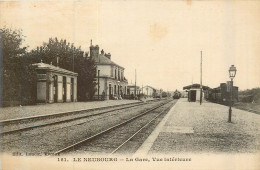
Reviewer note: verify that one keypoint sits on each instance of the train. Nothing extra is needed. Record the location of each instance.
(221, 94)
(176, 94)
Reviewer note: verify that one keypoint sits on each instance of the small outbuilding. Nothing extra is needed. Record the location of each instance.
(194, 92)
(55, 84)
(131, 89)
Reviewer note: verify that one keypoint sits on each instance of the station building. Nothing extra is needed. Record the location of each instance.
(55, 84)
(110, 76)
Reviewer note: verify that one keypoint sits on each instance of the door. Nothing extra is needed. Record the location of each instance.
(64, 89)
(72, 89)
(193, 96)
(55, 88)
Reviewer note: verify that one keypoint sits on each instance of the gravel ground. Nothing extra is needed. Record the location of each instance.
(43, 109)
(212, 133)
(49, 140)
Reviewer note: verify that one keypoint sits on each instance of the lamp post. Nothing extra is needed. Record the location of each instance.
(232, 73)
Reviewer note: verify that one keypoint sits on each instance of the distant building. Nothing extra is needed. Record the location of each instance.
(194, 92)
(149, 91)
(55, 84)
(112, 83)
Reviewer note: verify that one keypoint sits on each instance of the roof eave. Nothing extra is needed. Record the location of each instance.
(57, 71)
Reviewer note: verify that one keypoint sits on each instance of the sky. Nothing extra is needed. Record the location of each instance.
(162, 40)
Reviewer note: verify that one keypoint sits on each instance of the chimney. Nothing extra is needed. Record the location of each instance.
(94, 51)
(108, 56)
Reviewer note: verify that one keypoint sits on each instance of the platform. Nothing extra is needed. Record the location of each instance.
(44, 109)
(193, 128)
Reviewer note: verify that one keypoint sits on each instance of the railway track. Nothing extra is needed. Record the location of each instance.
(52, 138)
(113, 139)
(29, 123)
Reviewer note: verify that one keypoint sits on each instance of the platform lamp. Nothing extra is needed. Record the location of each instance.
(232, 73)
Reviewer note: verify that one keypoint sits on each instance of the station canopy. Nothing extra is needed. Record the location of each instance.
(195, 86)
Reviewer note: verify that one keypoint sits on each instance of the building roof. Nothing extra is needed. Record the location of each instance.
(103, 60)
(195, 86)
(132, 85)
(44, 66)
(149, 87)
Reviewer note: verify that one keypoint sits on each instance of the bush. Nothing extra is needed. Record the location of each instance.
(250, 95)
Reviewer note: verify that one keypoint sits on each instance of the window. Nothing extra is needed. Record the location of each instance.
(118, 74)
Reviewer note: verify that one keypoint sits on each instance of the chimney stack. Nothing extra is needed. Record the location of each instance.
(108, 56)
(94, 51)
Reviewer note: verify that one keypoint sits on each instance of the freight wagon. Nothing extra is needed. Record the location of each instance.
(221, 94)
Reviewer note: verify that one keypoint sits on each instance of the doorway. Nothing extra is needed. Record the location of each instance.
(110, 91)
(193, 95)
(64, 89)
(55, 88)
(72, 90)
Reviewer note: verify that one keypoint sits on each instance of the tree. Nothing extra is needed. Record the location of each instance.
(65, 55)
(86, 69)
(164, 94)
(17, 75)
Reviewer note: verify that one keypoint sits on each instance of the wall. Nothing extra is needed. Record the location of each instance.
(60, 89)
(41, 91)
(75, 89)
(119, 73)
(104, 86)
(68, 84)
(105, 70)
(147, 91)
(197, 95)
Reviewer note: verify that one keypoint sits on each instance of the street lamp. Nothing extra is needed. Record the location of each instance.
(232, 73)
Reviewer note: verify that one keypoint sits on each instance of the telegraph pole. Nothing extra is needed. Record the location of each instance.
(200, 77)
(73, 61)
